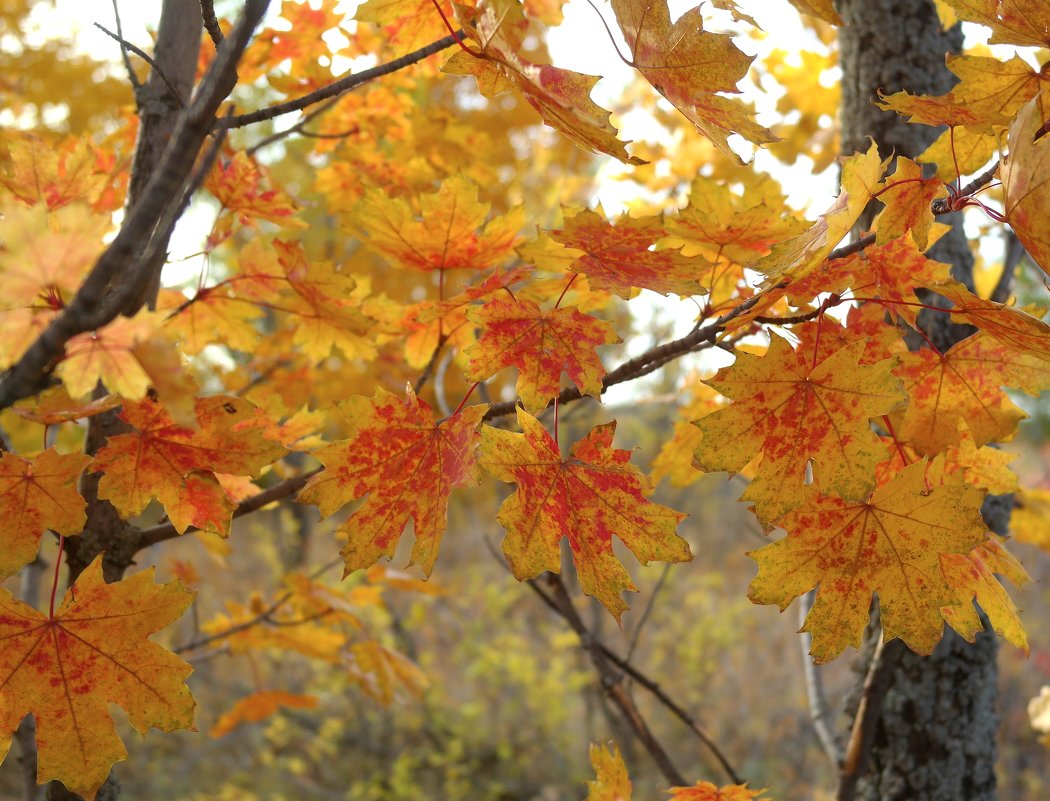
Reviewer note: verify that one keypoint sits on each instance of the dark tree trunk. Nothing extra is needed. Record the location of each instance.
(935, 738)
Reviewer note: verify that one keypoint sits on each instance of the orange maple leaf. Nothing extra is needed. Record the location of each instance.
(706, 791)
(35, 495)
(890, 544)
(541, 344)
(1015, 328)
(907, 198)
(405, 463)
(259, 706)
(588, 497)
(177, 465)
(242, 188)
(689, 66)
(562, 97)
(973, 576)
(66, 670)
(618, 258)
(964, 385)
(795, 412)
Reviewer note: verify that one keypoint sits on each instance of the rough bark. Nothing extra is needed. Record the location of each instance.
(935, 737)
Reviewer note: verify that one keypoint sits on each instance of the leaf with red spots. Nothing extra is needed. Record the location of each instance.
(690, 66)
(619, 257)
(406, 464)
(796, 413)
(35, 495)
(177, 465)
(562, 97)
(964, 385)
(243, 189)
(67, 670)
(706, 791)
(1012, 327)
(890, 544)
(541, 344)
(974, 577)
(588, 497)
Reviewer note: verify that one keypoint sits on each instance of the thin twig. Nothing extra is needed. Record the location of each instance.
(125, 46)
(649, 604)
(819, 709)
(876, 683)
(277, 136)
(211, 24)
(133, 79)
(942, 206)
(338, 87)
(612, 682)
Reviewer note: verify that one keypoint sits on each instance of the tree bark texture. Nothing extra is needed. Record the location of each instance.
(935, 739)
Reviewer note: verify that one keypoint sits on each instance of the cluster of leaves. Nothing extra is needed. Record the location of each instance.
(872, 458)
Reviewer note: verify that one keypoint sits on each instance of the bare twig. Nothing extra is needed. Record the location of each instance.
(612, 682)
(211, 24)
(133, 79)
(819, 709)
(120, 273)
(125, 47)
(649, 604)
(943, 206)
(339, 87)
(277, 136)
(876, 683)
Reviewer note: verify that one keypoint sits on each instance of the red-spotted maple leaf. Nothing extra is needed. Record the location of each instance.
(794, 412)
(451, 231)
(618, 258)
(1020, 22)
(541, 344)
(706, 791)
(1013, 327)
(964, 386)
(67, 670)
(562, 97)
(690, 66)
(890, 544)
(973, 576)
(35, 495)
(406, 464)
(177, 465)
(242, 188)
(588, 497)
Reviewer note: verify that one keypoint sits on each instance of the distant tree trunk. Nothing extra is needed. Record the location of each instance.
(936, 736)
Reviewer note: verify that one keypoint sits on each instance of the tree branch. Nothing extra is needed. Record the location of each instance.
(120, 273)
(876, 683)
(819, 710)
(338, 87)
(211, 24)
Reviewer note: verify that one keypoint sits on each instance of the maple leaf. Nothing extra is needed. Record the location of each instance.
(907, 198)
(405, 463)
(890, 544)
(259, 706)
(970, 148)
(35, 495)
(797, 257)
(588, 497)
(177, 465)
(1030, 518)
(1021, 22)
(109, 355)
(562, 97)
(409, 24)
(706, 791)
(689, 66)
(964, 385)
(541, 344)
(1026, 180)
(41, 172)
(823, 9)
(611, 782)
(794, 412)
(450, 232)
(1012, 327)
(381, 672)
(618, 257)
(973, 577)
(240, 186)
(66, 670)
